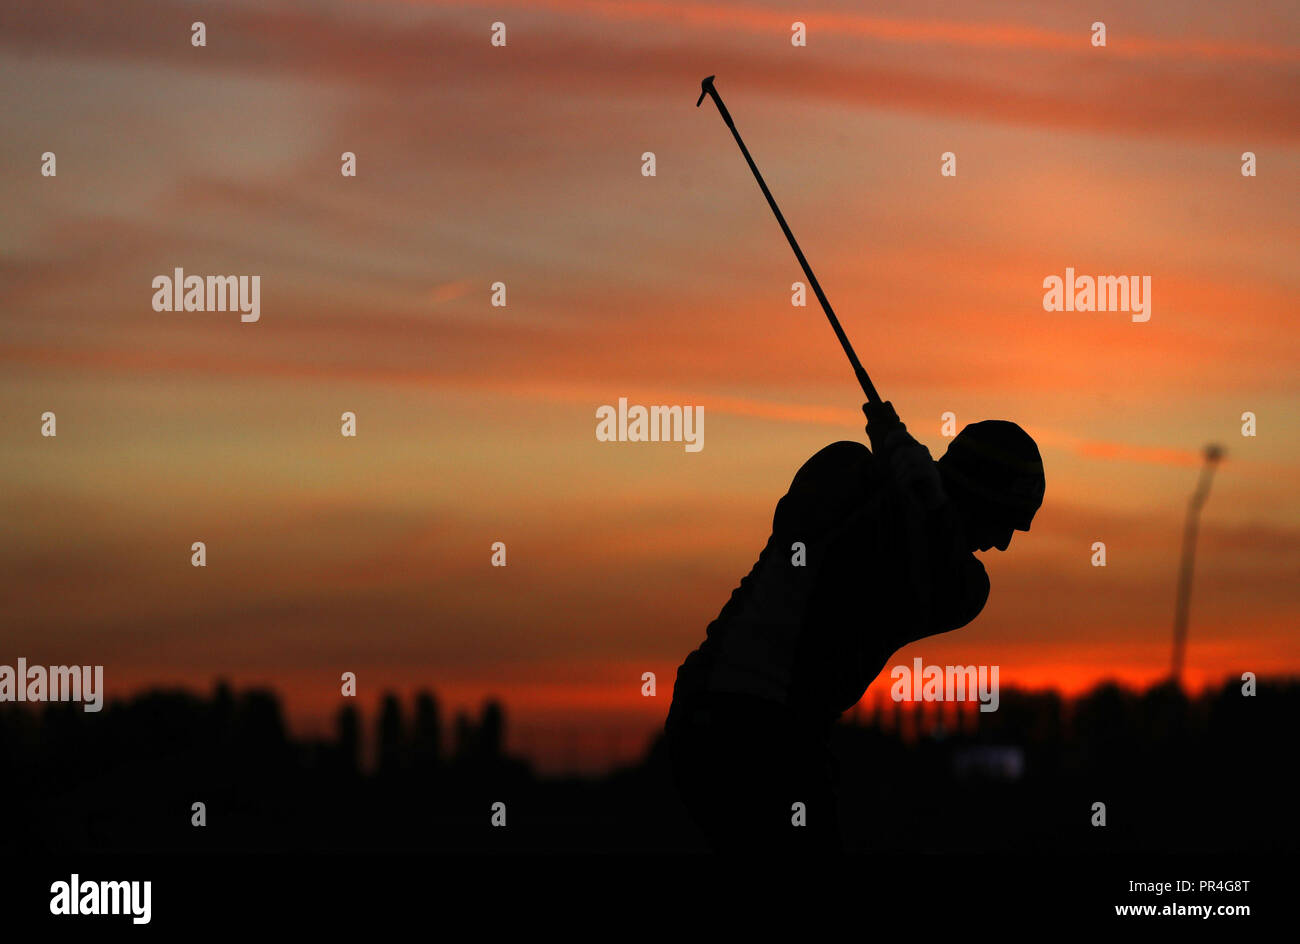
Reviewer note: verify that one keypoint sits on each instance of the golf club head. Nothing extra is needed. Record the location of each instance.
(705, 87)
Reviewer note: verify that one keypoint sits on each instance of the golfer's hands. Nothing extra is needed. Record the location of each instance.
(882, 423)
(908, 461)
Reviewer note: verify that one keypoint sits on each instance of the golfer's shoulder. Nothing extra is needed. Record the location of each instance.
(827, 489)
(844, 469)
(845, 461)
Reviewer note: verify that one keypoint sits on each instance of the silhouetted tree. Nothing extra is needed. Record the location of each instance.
(392, 736)
(427, 739)
(348, 748)
(491, 733)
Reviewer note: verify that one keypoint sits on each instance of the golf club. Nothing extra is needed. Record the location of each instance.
(706, 88)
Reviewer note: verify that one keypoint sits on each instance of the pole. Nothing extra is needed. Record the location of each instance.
(1212, 456)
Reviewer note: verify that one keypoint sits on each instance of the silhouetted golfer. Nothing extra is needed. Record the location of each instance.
(888, 537)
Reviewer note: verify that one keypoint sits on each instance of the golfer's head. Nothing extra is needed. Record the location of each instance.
(993, 473)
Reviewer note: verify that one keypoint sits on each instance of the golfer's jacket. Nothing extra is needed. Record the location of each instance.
(878, 572)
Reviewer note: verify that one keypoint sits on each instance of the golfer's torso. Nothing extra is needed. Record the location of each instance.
(759, 644)
(750, 649)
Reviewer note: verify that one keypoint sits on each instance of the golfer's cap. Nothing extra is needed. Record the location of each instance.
(998, 463)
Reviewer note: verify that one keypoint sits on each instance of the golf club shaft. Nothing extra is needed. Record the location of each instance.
(868, 387)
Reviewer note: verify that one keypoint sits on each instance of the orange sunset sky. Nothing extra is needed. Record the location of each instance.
(476, 424)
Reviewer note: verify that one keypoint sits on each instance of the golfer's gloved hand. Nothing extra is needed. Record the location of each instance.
(882, 422)
(908, 461)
